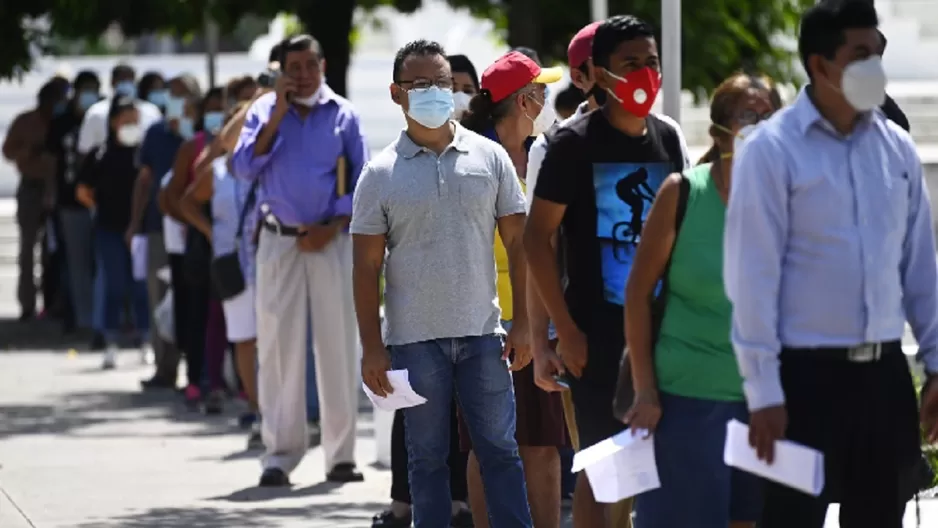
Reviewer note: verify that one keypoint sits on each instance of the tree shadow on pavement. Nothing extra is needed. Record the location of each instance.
(356, 514)
(74, 412)
(38, 334)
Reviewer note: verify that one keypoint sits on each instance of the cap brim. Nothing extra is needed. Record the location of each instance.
(549, 75)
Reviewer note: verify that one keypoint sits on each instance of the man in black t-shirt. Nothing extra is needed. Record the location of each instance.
(74, 219)
(596, 184)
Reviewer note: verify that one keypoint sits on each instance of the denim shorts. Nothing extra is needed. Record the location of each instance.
(697, 488)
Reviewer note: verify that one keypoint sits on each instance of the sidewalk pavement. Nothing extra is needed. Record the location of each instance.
(82, 448)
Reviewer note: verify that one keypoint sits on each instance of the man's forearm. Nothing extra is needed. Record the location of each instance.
(267, 136)
(538, 320)
(366, 285)
(547, 278)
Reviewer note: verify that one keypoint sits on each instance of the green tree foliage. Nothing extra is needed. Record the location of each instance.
(719, 36)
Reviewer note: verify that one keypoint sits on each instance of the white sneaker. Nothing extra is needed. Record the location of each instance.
(147, 357)
(110, 357)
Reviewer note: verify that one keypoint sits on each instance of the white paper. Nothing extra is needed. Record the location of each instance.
(174, 232)
(796, 466)
(138, 256)
(620, 467)
(165, 275)
(402, 397)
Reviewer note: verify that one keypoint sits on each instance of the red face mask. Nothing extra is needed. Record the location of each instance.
(637, 91)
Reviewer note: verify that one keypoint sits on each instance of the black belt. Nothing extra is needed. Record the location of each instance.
(271, 224)
(866, 353)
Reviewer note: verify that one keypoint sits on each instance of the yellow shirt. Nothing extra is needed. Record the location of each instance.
(504, 281)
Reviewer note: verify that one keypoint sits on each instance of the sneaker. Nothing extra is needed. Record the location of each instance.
(193, 397)
(215, 402)
(147, 357)
(463, 519)
(110, 357)
(246, 420)
(315, 434)
(387, 519)
(254, 438)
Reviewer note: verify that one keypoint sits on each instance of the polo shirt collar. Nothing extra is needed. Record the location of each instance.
(807, 115)
(408, 149)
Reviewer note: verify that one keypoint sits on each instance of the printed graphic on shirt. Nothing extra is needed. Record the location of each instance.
(624, 194)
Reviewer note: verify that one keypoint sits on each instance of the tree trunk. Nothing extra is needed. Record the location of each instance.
(524, 24)
(331, 24)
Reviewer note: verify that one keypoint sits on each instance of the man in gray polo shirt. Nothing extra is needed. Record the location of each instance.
(432, 200)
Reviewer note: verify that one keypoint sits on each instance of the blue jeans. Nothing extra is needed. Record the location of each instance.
(119, 283)
(697, 488)
(474, 368)
(312, 391)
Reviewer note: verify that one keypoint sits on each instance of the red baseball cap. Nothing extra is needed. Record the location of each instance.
(581, 45)
(512, 71)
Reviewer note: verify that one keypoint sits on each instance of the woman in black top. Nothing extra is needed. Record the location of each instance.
(106, 183)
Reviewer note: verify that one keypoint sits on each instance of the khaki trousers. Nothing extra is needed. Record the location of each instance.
(294, 288)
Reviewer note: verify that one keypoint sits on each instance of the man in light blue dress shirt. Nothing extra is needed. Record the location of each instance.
(304, 143)
(829, 250)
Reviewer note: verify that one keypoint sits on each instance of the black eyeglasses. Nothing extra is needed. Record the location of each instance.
(751, 117)
(424, 84)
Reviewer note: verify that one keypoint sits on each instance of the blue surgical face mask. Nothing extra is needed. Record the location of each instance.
(430, 107)
(175, 107)
(86, 99)
(185, 128)
(158, 97)
(126, 88)
(213, 121)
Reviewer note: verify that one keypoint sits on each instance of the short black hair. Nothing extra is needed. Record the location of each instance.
(119, 104)
(570, 98)
(86, 77)
(49, 94)
(528, 52)
(419, 48)
(823, 26)
(615, 31)
(462, 64)
(297, 43)
(275, 53)
(147, 83)
(216, 92)
(122, 70)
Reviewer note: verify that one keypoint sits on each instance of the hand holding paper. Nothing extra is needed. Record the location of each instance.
(402, 397)
(620, 467)
(795, 465)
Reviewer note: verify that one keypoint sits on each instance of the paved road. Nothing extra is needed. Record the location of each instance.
(81, 448)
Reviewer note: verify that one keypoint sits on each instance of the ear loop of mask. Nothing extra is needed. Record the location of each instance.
(725, 155)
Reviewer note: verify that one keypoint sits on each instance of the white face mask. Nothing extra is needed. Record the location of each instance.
(130, 135)
(544, 120)
(742, 135)
(311, 100)
(461, 102)
(864, 83)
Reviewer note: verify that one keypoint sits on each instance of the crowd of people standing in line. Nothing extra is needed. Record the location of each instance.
(769, 282)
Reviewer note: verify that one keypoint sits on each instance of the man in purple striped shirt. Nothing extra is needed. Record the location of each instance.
(304, 144)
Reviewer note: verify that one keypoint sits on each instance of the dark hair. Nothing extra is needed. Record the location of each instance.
(462, 64)
(213, 93)
(615, 31)
(483, 113)
(122, 70)
(49, 94)
(570, 98)
(86, 77)
(775, 97)
(118, 106)
(418, 48)
(147, 84)
(297, 43)
(528, 52)
(190, 82)
(725, 103)
(823, 26)
(236, 85)
(275, 52)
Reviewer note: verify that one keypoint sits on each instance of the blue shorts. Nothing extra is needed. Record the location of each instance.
(697, 489)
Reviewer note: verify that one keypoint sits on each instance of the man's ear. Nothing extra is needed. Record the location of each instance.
(395, 93)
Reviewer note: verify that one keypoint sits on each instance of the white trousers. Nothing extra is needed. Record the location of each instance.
(294, 288)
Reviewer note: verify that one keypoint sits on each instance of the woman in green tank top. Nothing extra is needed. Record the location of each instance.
(687, 384)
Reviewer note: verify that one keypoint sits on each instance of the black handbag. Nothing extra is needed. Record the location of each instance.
(625, 390)
(227, 275)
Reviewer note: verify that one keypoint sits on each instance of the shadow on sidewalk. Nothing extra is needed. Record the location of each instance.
(74, 413)
(38, 334)
(342, 514)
